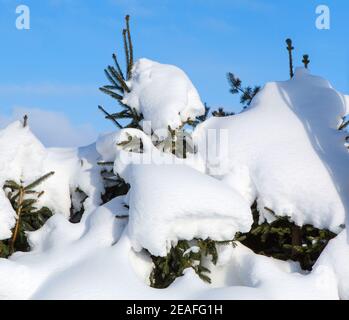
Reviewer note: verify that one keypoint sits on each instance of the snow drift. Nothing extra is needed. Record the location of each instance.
(286, 152)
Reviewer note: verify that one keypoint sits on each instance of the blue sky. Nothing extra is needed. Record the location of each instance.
(57, 65)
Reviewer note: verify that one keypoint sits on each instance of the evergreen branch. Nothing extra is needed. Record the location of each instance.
(110, 87)
(38, 181)
(119, 78)
(111, 93)
(11, 185)
(122, 217)
(221, 113)
(118, 66)
(127, 53)
(110, 117)
(112, 80)
(130, 46)
(108, 163)
(18, 213)
(247, 94)
(343, 125)
(122, 114)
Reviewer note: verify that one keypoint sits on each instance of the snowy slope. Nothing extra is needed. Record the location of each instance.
(286, 152)
(95, 260)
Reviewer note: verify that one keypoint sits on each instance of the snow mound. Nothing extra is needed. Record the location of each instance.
(177, 201)
(24, 158)
(285, 151)
(21, 158)
(243, 275)
(94, 259)
(181, 203)
(163, 94)
(336, 257)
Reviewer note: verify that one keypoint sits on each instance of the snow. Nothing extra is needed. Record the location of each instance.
(163, 94)
(95, 260)
(197, 205)
(24, 158)
(181, 203)
(335, 256)
(285, 151)
(21, 157)
(241, 274)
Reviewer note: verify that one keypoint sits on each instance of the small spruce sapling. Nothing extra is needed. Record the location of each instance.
(28, 217)
(178, 142)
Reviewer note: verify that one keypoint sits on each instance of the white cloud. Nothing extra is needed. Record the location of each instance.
(47, 89)
(53, 129)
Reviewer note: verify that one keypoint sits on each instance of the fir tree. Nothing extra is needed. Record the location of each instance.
(283, 239)
(118, 86)
(28, 217)
(178, 142)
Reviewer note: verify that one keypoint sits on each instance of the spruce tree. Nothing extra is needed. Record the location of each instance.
(178, 142)
(117, 87)
(23, 199)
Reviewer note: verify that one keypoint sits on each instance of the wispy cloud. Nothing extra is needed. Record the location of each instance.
(47, 89)
(52, 128)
